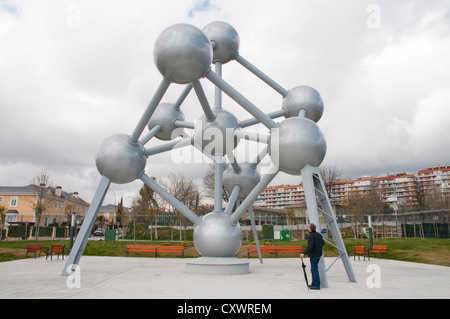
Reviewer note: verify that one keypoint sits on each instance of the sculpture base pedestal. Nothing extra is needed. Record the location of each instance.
(217, 266)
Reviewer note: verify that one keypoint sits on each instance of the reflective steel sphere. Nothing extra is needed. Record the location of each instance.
(297, 142)
(214, 236)
(216, 136)
(226, 41)
(183, 53)
(165, 115)
(247, 179)
(304, 97)
(120, 160)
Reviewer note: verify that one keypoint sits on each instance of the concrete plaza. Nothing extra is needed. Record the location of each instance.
(165, 278)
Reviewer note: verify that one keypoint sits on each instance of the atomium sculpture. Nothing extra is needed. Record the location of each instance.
(184, 54)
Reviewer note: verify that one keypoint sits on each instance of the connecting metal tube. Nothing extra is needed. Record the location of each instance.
(218, 91)
(218, 192)
(240, 99)
(253, 121)
(165, 83)
(251, 136)
(150, 134)
(183, 95)
(169, 146)
(169, 198)
(253, 195)
(246, 64)
(210, 116)
(184, 124)
(233, 198)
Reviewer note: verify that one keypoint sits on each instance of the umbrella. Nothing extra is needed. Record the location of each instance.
(304, 273)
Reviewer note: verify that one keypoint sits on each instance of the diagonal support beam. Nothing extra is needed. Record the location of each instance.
(314, 186)
(86, 228)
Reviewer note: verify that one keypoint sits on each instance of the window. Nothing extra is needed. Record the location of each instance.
(55, 206)
(13, 202)
(11, 216)
(1, 199)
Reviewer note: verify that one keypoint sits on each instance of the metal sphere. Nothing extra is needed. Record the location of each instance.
(183, 53)
(215, 236)
(225, 41)
(297, 142)
(216, 136)
(303, 97)
(165, 115)
(120, 160)
(247, 179)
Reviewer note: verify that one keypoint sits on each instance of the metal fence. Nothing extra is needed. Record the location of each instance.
(423, 224)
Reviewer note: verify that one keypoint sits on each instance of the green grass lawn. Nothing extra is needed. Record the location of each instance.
(428, 251)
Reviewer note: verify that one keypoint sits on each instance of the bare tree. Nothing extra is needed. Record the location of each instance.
(419, 197)
(2, 220)
(144, 205)
(353, 204)
(183, 189)
(330, 174)
(209, 181)
(186, 191)
(374, 199)
(41, 184)
(436, 198)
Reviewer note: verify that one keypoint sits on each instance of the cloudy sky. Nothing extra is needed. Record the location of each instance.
(74, 72)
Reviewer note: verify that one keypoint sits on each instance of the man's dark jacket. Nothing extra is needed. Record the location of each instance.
(315, 243)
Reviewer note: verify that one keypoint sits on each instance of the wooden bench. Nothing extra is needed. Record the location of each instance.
(155, 249)
(378, 249)
(360, 251)
(57, 250)
(275, 249)
(34, 248)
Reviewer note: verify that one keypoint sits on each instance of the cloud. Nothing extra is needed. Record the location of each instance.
(429, 127)
(74, 72)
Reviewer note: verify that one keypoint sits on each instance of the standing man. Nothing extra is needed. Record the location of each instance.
(314, 251)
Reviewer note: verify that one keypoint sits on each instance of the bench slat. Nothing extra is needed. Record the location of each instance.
(34, 248)
(379, 249)
(360, 251)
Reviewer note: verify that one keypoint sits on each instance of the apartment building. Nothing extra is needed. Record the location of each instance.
(435, 177)
(58, 205)
(397, 190)
(281, 196)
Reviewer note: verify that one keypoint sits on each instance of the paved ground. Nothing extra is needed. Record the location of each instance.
(163, 278)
